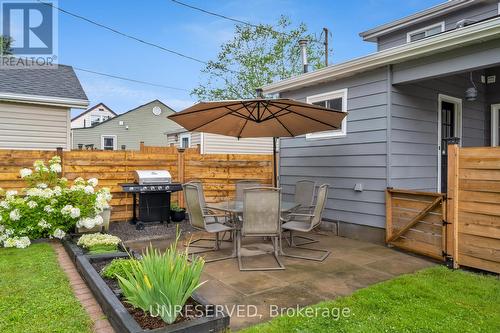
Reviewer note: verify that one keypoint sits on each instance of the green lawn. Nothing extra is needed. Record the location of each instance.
(433, 300)
(35, 295)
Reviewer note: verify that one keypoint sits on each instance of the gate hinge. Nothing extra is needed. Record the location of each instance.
(445, 222)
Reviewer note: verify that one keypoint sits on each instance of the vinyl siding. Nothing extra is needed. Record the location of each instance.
(414, 125)
(142, 126)
(173, 139)
(359, 157)
(30, 126)
(477, 12)
(86, 120)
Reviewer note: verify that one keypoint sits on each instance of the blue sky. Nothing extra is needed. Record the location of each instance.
(168, 24)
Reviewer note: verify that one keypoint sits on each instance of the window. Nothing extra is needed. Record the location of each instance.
(94, 120)
(185, 140)
(425, 32)
(108, 142)
(334, 100)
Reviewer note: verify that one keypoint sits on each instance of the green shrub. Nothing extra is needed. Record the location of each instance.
(174, 207)
(117, 267)
(161, 283)
(99, 243)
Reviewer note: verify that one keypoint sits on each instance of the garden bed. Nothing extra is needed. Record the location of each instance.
(75, 251)
(123, 318)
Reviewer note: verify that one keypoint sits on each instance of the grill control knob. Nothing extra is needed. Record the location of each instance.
(144, 188)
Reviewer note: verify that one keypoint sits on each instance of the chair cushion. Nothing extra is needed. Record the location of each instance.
(297, 225)
(217, 227)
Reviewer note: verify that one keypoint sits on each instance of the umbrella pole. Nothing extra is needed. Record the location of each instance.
(275, 177)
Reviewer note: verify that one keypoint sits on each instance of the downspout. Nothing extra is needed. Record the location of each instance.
(389, 127)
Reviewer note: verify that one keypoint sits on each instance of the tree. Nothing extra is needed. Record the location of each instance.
(257, 55)
(5, 45)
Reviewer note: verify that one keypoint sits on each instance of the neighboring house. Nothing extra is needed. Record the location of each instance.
(146, 123)
(35, 107)
(219, 144)
(436, 75)
(93, 116)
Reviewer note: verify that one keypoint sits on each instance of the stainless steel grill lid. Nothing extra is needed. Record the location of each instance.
(144, 177)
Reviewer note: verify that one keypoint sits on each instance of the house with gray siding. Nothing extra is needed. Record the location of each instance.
(146, 123)
(434, 77)
(35, 106)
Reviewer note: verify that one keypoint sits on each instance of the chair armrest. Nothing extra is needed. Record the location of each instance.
(301, 214)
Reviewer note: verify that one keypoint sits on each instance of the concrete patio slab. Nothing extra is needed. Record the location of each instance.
(351, 265)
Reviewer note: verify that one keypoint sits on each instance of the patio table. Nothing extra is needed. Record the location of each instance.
(235, 209)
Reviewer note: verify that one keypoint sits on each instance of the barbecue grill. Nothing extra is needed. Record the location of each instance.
(153, 188)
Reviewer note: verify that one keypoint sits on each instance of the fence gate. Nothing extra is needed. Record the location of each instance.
(415, 222)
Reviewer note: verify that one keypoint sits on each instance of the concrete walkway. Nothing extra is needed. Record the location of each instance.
(351, 265)
(82, 292)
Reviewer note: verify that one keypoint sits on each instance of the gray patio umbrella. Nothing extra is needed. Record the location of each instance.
(259, 118)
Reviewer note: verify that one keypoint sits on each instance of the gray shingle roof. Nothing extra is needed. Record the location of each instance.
(53, 82)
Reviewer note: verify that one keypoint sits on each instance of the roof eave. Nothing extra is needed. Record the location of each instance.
(441, 9)
(489, 29)
(45, 100)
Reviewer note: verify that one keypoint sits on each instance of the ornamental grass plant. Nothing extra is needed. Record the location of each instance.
(161, 283)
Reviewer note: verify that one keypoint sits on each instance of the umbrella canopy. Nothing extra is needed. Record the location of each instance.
(258, 118)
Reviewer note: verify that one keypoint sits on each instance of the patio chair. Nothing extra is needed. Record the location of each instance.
(261, 218)
(304, 195)
(198, 220)
(241, 185)
(306, 223)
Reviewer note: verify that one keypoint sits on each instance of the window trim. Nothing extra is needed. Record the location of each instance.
(340, 133)
(182, 136)
(115, 143)
(409, 34)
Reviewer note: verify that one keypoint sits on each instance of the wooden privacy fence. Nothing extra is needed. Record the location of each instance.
(463, 224)
(218, 171)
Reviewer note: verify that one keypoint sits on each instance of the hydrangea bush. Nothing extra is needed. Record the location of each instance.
(50, 206)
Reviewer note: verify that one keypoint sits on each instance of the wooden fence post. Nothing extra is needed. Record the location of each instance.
(388, 215)
(452, 203)
(180, 175)
(141, 146)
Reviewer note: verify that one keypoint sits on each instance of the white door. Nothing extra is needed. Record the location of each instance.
(495, 125)
(449, 126)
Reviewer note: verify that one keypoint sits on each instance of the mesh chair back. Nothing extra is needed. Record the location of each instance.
(261, 212)
(193, 206)
(199, 185)
(241, 185)
(304, 193)
(320, 205)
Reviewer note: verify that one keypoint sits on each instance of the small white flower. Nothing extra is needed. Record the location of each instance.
(48, 209)
(42, 185)
(11, 193)
(66, 210)
(25, 172)
(4, 204)
(74, 212)
(32, 204)
(18, 242)
(58, 233)
(44, 224)
(55, 159)
(15, 215)
(56, 167)
(88, 189)
(93, 182)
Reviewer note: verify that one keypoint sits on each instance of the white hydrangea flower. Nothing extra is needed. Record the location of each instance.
(53, 201)
(57, 190)
(10, 194)
(55, 159)
(48, 209)
(18, 242)
(44, 224)
(42, 185)
(90, 240)
(15, 215)
(90, 222)
(32, 204)
(58, 233)
(93, 182)
(79, 181)
(25, 172)
(56, 167)
(66, 210)
(74, 212)
(4, 204)
(88, 189)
